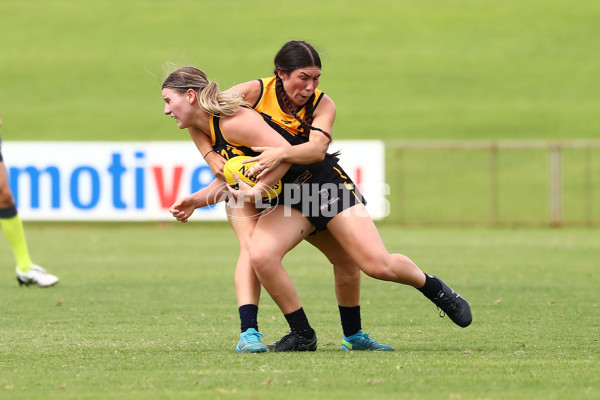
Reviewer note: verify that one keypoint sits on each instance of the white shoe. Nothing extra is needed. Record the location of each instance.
(36, 275)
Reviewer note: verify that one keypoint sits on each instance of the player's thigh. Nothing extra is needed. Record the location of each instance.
(243, 219)
(279, 230)
(356, 232)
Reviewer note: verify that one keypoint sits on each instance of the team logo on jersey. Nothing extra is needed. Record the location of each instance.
(325, 205)
(302, 178)
(230, 152)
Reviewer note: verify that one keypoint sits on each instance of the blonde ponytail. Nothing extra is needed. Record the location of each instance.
(209, 98)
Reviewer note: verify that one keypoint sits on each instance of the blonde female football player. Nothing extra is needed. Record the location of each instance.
(28, 273)
(195, 102)
(291, 103)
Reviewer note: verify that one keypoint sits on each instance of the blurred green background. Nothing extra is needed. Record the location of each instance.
(397, 70)
(433, 69)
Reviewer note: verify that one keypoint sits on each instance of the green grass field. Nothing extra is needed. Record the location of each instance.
(148, 311)
(156, 318)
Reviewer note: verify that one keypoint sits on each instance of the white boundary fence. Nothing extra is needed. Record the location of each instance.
(589, 176)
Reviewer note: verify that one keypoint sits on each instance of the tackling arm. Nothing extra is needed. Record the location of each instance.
(310, 152)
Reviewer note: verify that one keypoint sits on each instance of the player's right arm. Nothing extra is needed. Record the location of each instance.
(214, 193)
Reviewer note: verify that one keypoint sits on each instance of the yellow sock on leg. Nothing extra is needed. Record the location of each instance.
(13, 229)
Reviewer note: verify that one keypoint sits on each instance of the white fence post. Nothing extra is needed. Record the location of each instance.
(555, 185)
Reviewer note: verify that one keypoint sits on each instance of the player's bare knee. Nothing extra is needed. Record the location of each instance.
(379, 268)
(346, 274)
(262, 258)
(339, 258)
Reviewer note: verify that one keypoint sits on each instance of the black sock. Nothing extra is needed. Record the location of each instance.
(299, 323)
(8, 212)
(431, 288)
(350, 317)
(248, 316)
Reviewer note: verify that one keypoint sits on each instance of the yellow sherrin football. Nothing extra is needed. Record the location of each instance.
(234, 165)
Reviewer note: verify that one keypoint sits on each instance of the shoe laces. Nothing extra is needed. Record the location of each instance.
(38, 268)
(362, 339)
(287, 338)
(446, 303)
(253, 337)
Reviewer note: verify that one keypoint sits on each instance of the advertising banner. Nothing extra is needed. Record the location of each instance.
(139, 181)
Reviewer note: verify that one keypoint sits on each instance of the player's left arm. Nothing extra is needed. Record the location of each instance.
(248, 128)
(310, 152)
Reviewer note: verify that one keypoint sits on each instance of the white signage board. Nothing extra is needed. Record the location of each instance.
(138, 181)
